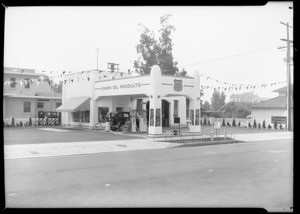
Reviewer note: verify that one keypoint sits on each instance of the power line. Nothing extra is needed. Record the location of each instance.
(228, 57)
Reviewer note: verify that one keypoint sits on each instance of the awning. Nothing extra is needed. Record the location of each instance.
(75, 104)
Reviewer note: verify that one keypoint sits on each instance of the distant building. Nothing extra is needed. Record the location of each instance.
(273, 109)
(248, 98)
(25, 93)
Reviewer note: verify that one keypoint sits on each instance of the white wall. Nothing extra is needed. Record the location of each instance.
(265, 114)
(15, 107)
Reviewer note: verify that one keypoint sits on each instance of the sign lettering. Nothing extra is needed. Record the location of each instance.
(121, 86)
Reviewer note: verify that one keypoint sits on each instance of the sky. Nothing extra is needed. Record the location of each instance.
(236, 44)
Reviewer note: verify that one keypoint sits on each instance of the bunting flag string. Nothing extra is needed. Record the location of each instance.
(217, 84)
(206, 82)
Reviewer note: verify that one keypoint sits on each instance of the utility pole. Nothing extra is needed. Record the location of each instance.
(97, 51)
(288, 62)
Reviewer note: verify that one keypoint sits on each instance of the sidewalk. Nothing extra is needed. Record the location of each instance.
(91, 147)
(77, 148)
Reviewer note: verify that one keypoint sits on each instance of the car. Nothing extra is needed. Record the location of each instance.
(118, 120)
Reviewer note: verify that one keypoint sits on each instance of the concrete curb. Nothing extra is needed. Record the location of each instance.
(208, 143)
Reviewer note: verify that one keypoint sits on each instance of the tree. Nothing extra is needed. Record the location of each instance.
(152, 52)
(57, 87)
(183, 73)
(206, 106)
(217, 100)
(237, 110)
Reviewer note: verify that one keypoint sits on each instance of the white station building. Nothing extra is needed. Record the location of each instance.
(157, 98)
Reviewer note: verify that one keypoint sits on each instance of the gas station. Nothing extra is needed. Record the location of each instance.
(158, 100)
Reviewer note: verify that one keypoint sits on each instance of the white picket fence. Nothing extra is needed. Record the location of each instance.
(35, 122)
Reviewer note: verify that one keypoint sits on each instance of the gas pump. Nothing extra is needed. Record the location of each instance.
(143, 120)
(133, 120)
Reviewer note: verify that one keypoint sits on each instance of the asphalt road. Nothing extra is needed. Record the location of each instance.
(256, 174)
(16, 136)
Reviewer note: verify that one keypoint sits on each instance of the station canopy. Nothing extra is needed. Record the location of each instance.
(75, 104)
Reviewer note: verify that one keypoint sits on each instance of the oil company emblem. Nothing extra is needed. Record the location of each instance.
(178, 85)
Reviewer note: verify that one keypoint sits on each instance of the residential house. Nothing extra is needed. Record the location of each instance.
(26, 93)
(248, 98)
(273, 109)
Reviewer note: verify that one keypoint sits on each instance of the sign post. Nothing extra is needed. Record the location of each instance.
(211, 121)
(217, 125)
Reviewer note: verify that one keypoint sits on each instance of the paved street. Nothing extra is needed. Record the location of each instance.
(255, 174)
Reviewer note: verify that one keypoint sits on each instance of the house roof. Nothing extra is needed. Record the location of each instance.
(32, 96)
(276, 102)
(249, 95)
(283, 89)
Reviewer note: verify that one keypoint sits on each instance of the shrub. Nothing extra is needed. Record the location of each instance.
(233, 123)
(264, 124)
(259, 125)
(269, 126)
(12, 122)
(223, 123)
(249, 125)
(205, 123)
(254, 124)
(29, 121)
(228, 124)
(280, 127)
(275, 125)
(239, 124)
(46, 121)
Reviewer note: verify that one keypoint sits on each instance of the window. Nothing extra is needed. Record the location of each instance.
(157, 117)
(197, 120)
(58, 104)
(27, 107)
(152, 117)
(175, 108)
(27, 83)
(75, 116)
(119, 108)
(13, 82)
(40, 105)
(86, 116)
(102, 112)
(139, 106)
(192, 116)
(187, 108)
